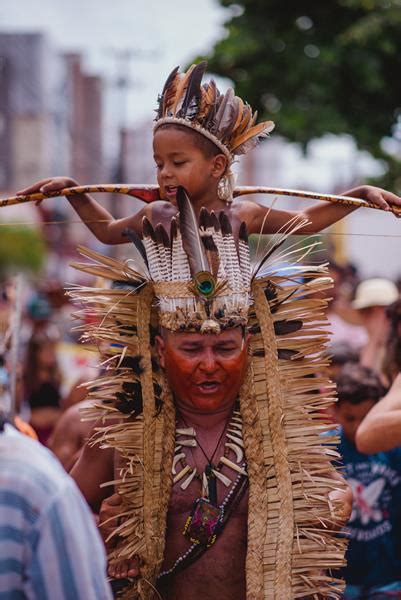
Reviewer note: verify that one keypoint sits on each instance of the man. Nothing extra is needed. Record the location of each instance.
(219, 462)
(49, 546)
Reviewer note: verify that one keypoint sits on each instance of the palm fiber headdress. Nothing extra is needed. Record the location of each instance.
(225, 119)
(170, 281)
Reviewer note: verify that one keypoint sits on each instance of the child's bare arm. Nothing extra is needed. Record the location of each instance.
(380, 430)
(319, 215)
(100, 222)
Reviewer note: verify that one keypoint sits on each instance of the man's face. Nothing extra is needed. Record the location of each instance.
(350, 416)
(205, 371)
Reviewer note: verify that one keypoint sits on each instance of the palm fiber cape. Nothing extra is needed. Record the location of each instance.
(292, 542)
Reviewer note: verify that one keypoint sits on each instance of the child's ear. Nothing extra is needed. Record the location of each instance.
(219, 165)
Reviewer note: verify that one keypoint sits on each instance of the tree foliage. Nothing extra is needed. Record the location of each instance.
(317, 67)
(21, 248)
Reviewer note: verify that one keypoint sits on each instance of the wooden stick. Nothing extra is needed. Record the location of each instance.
(150, 193)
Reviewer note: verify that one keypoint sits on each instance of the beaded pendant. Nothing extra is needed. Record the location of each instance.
(202, 525)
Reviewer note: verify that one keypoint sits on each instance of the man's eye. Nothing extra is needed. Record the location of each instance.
(177, 163)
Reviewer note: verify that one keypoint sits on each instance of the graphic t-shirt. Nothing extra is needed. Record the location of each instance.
(374, 531)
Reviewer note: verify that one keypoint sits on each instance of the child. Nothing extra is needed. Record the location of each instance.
(197, 135)
(374, 562)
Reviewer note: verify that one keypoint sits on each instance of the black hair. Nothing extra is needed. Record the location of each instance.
(206, 146)
(341, 353)
(357, 383)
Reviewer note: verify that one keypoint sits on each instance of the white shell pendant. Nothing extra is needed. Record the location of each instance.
(188, 480)
(226, 480)
(192, 443)
(186, 431)
(237, 449)
(235, 439)
(176, 458)
(232, 465)
(181, 474)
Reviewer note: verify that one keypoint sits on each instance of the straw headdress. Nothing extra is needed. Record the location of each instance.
(200, 278)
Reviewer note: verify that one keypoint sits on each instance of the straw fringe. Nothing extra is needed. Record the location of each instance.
(291, 539)
(300, 543)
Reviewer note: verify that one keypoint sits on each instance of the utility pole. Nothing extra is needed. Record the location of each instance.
(123, 82)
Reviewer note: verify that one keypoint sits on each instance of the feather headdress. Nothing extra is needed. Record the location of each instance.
(225, 119)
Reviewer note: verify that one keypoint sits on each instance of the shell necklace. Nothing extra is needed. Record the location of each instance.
(186, 437)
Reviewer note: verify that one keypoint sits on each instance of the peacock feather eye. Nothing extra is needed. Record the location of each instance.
(204, 283)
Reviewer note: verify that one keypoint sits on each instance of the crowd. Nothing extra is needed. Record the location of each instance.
(365, 361)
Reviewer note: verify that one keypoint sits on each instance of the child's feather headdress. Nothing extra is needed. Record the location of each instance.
(225, 119)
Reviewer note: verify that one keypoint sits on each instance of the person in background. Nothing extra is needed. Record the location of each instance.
(42, 380)
(70, 435)
(372, 297)
(49, 545)
(373, 559)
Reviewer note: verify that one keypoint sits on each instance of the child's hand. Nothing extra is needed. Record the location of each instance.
(378, 196)
(45, 186)
(109, 520)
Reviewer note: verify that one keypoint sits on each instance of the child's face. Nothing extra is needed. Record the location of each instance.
(181, 163)
(350, 416)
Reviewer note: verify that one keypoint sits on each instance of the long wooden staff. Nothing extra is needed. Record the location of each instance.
(150, 193)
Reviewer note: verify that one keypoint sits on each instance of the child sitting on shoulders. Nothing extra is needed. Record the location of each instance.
(197, 135)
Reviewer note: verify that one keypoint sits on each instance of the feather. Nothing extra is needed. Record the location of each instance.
(190, 104)
(168, 92)
(140, 260)
(163, 247)
(181, 87)
(244, 255)
(233, 112)
(179, 260)
(271, 246)
(191, 238)
(240, 114)
(223, 114)
(245, 121)
(149, 241)
(218, 240)
(212, 254)
(286, 327)
(231, 256)
(251, 135)
(208, 100)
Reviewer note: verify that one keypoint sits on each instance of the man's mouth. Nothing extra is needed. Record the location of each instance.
(208, 387)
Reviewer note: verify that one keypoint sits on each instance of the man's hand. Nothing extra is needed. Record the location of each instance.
(109, 521)
(375, 195)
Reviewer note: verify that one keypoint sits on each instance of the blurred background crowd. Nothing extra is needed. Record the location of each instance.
(326, 73)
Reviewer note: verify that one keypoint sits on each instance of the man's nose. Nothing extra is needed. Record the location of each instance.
(208, 361)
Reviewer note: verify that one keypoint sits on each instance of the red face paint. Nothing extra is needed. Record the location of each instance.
(205, 371)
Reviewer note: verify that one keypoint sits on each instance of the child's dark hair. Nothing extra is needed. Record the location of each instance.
(205, 145)
(341, 353)
(357, 383)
